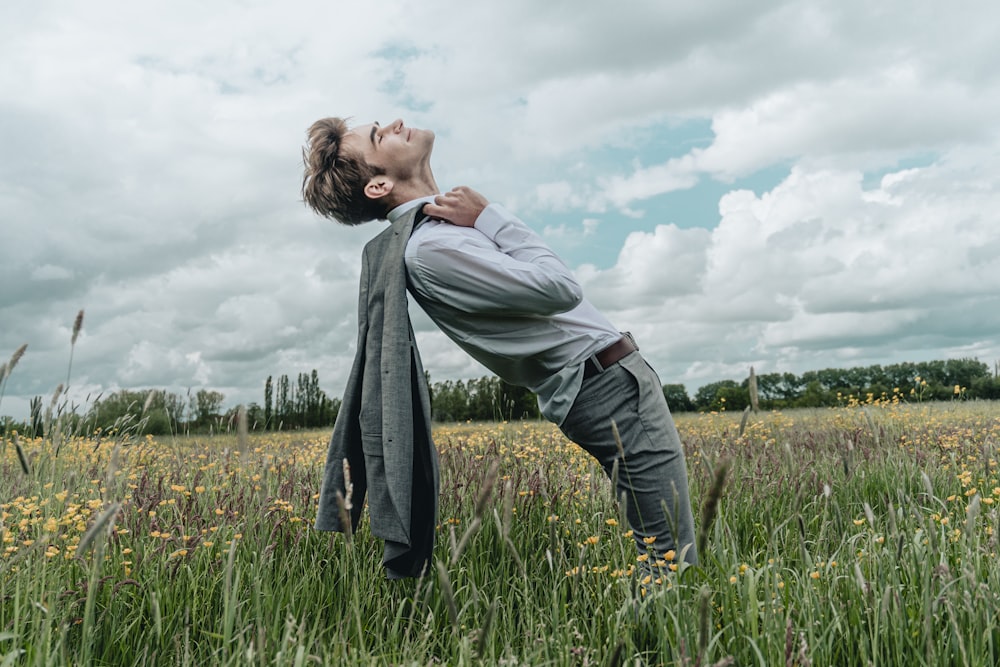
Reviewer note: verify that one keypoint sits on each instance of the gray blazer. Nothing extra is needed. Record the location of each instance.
(383, 427)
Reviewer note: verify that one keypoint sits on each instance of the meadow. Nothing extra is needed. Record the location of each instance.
(859, 535)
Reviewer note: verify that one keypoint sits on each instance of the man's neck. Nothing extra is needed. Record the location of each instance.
(414, 189)
(419, 185)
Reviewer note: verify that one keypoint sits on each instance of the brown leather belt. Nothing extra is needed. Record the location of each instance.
(618, 350)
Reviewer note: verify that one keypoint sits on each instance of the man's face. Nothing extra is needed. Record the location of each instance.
(400, 151)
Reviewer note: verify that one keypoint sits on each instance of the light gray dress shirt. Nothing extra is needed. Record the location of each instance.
(504, 297)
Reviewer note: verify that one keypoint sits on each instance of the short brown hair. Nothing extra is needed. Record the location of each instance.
(334, 181)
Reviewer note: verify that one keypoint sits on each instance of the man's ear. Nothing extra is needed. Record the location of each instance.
(378, 187)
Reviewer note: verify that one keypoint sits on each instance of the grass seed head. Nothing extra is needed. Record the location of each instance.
(8, 368)
(77, 326)
(704, 604)
(16, 357)
(458, 547)
(869, 514)
(348, 486)
(618, 438)
(345, 516)
(926, 481)
(149, 400)
(508, 508)
(242, 433)
(25, 468)
(971, 514)
(711, 506)
(100, 524)
(487, 491)
(55, 396)
(860, 578)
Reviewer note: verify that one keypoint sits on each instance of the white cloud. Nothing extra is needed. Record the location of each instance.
(872, 119)
(50, 272)
(820, 271)
(646, 182)
(651, 268)
(560, 232)
(558, 196)
(148, 364)
(571, 235)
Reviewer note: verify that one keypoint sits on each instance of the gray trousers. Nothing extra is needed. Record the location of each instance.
(652, 474)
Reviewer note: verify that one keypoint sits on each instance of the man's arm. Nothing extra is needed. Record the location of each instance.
(504, 269)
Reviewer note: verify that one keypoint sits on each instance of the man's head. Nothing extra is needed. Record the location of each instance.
(361, 173)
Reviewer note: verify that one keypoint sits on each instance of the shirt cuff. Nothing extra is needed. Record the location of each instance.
(493, 218)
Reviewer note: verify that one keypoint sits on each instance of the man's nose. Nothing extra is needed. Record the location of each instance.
(392, 128)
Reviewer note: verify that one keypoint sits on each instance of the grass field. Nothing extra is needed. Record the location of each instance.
(848, 536)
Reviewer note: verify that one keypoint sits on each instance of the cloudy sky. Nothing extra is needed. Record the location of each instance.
(790, 185)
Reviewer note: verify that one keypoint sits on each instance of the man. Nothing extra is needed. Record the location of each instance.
(495, 288)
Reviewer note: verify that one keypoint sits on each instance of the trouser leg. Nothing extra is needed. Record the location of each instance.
(652, 473)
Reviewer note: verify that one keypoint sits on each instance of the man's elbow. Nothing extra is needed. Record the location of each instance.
(564, 298)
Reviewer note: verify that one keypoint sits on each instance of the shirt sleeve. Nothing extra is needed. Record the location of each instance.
(499, 267)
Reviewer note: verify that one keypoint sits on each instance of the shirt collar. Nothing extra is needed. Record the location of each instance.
(398, 212)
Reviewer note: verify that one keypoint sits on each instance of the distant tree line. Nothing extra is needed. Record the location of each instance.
(136, 411)
(293, 406)
(303, 404)
(952, 379)
(961, 379)
(485, 399)
(287, 406)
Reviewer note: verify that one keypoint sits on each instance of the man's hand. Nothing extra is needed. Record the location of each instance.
(459, 207)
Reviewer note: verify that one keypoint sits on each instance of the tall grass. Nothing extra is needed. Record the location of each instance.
(839, 537)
